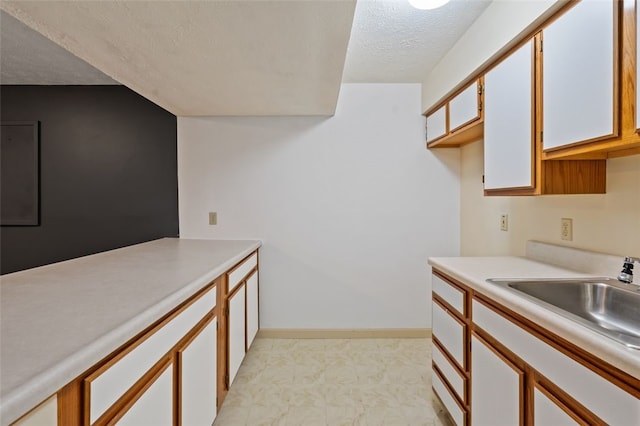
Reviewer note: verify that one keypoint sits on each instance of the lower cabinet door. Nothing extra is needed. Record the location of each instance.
(198, 375)
(497, 387)
(547, 410)
(237, 331)
(253, 322)
(155, 406)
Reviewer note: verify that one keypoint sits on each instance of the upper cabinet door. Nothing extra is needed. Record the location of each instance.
(637, 66)
(579, 81)
(508, 122)
(464, 108)
(437, 124)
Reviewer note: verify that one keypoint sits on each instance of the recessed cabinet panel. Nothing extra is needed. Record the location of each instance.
(449, 371)
(450, 332)
(457, 413)
(578, 75)
(496, 387)
(464, 108)
(252, 308)
(437, 124)
(236, 332)
(508, 122)
(548, 412)
(198, 366)
(155, 406)
(452, 295)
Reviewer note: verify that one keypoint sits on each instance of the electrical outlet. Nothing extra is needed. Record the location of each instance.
(566, 229)
(504, 222)
(213, 218)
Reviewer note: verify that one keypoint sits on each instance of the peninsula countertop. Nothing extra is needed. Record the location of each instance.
(474, 271)
(58, 320)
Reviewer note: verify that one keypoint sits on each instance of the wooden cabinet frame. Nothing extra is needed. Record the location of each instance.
(625, 138)
(467, 132)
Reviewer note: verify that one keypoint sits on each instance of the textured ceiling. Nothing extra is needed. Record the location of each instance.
(27, 57)
(392, 42)
(231, 57)
(208, 57)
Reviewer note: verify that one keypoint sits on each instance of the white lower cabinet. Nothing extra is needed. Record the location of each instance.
(155, 406)
(198, 374)
(253, 321)
(237, 331)
(547, 410)
(496, 387)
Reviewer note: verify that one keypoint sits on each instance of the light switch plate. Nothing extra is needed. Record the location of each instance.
(213, 218)
(504, 222)
(566, 229)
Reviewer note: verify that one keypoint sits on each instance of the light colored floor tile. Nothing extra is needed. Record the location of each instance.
(334, 382)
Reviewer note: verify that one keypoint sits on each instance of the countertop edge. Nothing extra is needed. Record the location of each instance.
(625, 359)
(38, 388)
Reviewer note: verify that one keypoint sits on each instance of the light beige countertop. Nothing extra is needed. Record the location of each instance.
(474, 271)
(56, 321)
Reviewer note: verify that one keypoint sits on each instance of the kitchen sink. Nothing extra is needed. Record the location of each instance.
(605, 305)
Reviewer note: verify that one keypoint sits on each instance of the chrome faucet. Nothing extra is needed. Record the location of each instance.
(626, 275)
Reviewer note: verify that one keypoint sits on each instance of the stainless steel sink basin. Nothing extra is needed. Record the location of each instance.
(604, 305)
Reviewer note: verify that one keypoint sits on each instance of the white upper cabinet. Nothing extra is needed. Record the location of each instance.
(508, 122)
(464, 108)
(578, 64)
(637, 67)
(437, 124)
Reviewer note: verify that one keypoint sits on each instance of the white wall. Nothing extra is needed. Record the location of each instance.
(490, 35)
(608, 223)
(348, 207)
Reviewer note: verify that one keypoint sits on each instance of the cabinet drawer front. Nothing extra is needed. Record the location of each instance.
(241, 271)
(448, 400)
(437, 124)
(449, 332)
(603, 398)
(452, 295)
(112, 383)
(450, 373)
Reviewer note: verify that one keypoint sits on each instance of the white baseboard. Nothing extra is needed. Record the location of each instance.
(364, 333)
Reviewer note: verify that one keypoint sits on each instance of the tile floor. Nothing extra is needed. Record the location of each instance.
(306, 382)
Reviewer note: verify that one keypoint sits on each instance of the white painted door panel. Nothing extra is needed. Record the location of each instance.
(253, 320)
(578, 74)
(546, 412)
(449, 372)
(508, 122)
(236, 332)
(448, 400)
(452, 295)
(437, 124)
(199, 377)
(637, 67)
(449, 332)
(464, 107)
(155, 406)
(495, 388)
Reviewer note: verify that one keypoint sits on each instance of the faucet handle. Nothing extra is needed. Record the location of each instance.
(626, 275)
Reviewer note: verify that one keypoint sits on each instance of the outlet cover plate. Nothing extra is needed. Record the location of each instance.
(566, 229)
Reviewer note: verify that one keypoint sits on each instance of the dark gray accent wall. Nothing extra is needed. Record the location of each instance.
(108, 172)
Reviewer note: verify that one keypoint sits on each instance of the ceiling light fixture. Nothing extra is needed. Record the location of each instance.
(427, 4)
